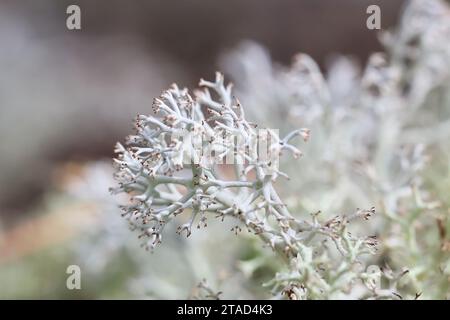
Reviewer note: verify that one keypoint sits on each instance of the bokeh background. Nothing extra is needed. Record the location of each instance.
(67, 96)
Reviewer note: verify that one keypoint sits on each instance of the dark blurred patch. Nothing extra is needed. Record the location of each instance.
(196, 31)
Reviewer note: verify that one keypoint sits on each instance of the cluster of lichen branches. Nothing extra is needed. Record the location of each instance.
(163, 171)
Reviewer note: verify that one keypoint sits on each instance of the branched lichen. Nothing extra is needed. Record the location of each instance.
(166, 174)
(199, 157)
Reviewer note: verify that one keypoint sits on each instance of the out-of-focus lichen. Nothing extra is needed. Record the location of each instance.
(378, 134)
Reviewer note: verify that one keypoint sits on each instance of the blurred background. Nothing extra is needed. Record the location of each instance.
(67, 96)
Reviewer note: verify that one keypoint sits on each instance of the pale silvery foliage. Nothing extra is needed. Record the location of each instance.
(165, 178)
(372, 135)
(361, 154)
